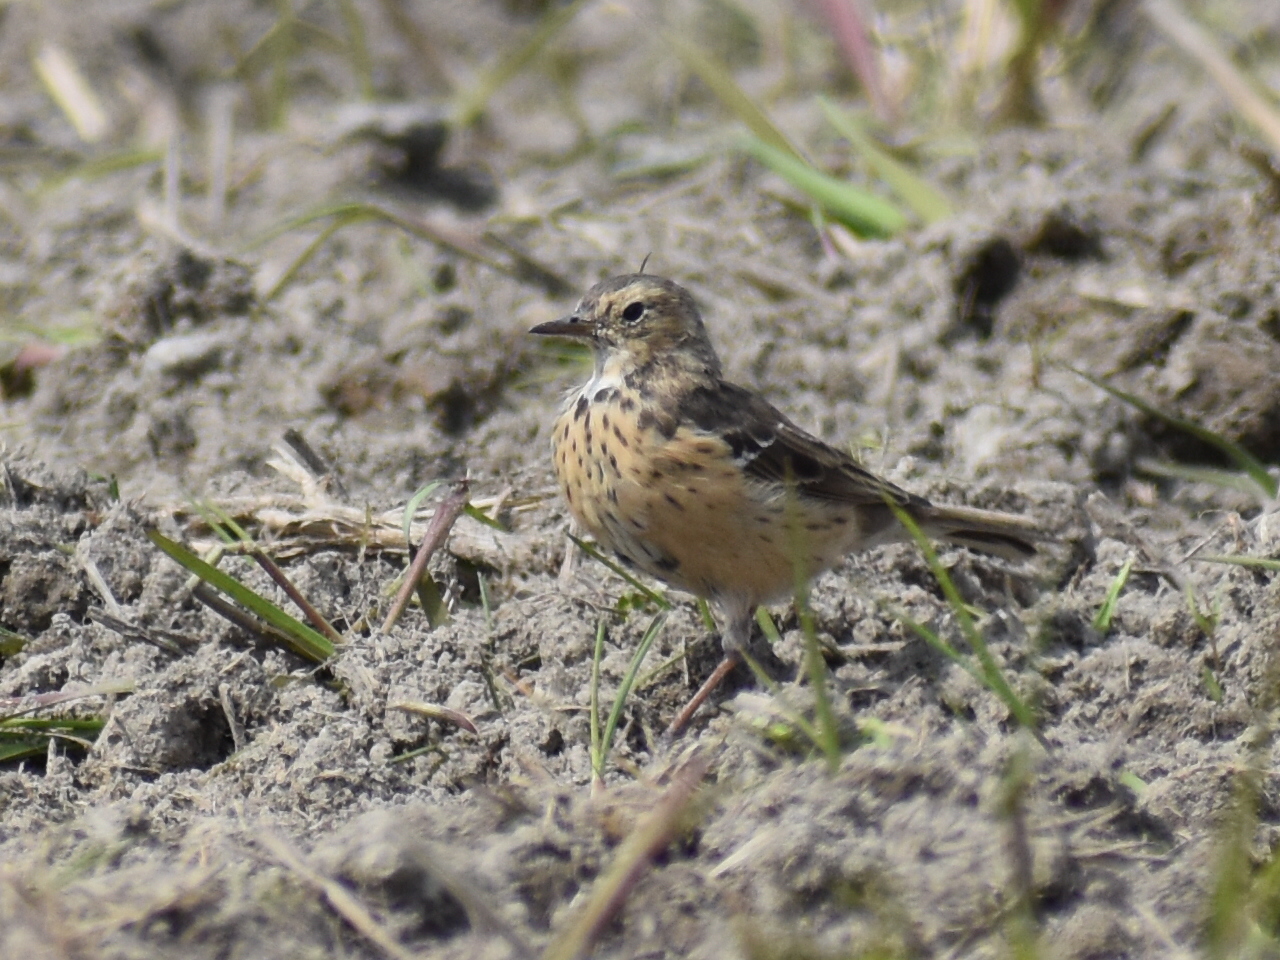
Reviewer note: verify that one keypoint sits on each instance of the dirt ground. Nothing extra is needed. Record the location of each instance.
(156, 344)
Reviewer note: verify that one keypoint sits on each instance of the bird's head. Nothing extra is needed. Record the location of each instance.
(636, 320)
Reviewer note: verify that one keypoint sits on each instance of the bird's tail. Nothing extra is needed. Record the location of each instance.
(1002, 534)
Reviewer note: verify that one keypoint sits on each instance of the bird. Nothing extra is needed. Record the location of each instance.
(705, 485)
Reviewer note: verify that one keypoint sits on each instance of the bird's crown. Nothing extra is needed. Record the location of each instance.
(646, 316)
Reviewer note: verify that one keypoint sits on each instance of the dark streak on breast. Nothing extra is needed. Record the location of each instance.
(664, 425)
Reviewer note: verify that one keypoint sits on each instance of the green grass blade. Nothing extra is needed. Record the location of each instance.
(429, 597)
(80, 725)
(793, 716)
(716, 76)
(704, 612)
(651, 595)
(475, 513)
(471, 103)
(863, 213)
(10, 642)
(304, 641)
(104, 166)
(309, 251)
(23, 749)
(1223, 479)
(1102, 622)
(1207, 622)
(989, 672)
(597, 752)
(767, 626)
(1238, 455)
(928, 203)
(628, 680)
(828, 732)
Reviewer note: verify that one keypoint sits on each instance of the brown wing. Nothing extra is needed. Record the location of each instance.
(771, 448)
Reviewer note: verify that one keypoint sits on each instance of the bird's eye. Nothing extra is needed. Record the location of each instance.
(633, 311)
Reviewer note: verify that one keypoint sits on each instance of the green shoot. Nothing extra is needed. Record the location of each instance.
(825, 735)
(1266, 484)
(1102, 622)
(1207, 622)
(1223, 479)
(704, 611)
(601, 749)
(11, 643)
(651, 595)
(928, 204)
(1244, 900)
(986, 671)
(767, 626)
(301, 638)
(828, 734)
(485, 603)
(29, 737)
(793, 716)
(276, 48)
(428, 592)
(1132, 782)
(631, 601)
(22, 736)
(410, 508)
(104, 166)
(1212, 686)
(865, 214)
(593, 717)
(828, 731)
(475, 513)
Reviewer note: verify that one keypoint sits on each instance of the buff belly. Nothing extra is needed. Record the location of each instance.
(679, 508)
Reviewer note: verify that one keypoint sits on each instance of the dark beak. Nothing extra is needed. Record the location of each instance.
(571, 326)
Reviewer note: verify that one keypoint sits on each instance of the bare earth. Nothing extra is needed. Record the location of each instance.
(234, 770)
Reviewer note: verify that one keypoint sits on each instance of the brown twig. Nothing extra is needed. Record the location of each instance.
(293, 593)
(449, 509)
(650, 837)
(245, 621)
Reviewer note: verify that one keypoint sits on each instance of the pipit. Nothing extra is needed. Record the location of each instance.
(704, 485)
